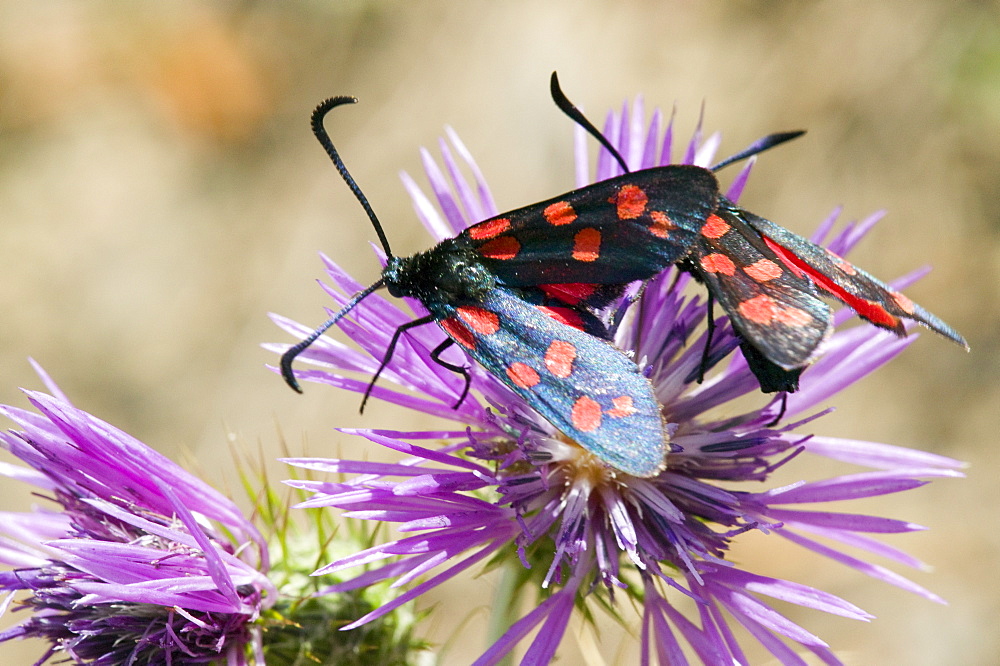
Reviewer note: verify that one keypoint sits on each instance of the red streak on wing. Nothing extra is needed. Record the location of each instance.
(870, 310)
(567, 316)
(570, 293)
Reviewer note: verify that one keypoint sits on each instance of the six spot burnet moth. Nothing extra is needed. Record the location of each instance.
(522, 293)
(768, 280)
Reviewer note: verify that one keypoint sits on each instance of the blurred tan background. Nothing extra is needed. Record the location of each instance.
(160, 191)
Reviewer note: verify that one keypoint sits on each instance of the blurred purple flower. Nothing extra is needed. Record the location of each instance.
(138, 562)
(508, 485)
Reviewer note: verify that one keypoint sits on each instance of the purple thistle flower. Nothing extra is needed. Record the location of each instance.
(139, 562)
(508, 485)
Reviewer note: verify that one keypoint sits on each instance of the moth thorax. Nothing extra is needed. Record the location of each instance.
(443, 273)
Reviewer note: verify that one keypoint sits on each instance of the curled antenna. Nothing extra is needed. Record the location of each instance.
(292, 352)
(570, 109)
(324, 139)
(759, 146)
(577, 116)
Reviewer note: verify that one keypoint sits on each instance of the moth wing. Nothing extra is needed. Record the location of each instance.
(582, 385)
(770, 306)
(871, 298)
(616, 231)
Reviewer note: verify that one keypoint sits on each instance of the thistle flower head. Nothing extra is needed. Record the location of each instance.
(506, 486)
(129, 559)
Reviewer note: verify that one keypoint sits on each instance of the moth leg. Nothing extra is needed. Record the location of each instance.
(781, 412)
(389, 351)
(458, 369)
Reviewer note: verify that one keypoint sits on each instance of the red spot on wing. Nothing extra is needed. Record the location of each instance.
(587, 244)
(559, 213)
(718, 263)
(586, 414)
(760, 309)
(631, 202)
(714, 227)
(787, 257)
(662, 224)
(522, 375)
(794, 317)
(870, 310)
(763, 270)
(479, 319)
(503, 247)
(876, 314)
(567, 316)
(458, 332)
(765, 310)
(842, 263)
(559, 358)
(489, 229)
(622, 406)
(570, 293)
(903, 302)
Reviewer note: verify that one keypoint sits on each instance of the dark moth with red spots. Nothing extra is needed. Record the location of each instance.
(769, 280)
(523, 293)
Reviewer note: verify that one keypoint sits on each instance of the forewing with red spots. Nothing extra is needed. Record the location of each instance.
(770, 306)
(614, 232)
(768, 280)
(581, 384)
(871, 298)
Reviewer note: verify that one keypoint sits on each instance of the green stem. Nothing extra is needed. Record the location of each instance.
(505, 608)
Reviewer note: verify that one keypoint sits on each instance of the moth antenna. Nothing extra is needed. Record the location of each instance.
(577, 116)
(324, 139)
(292, 352)
(759, 146)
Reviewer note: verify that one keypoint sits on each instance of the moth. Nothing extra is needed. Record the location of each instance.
(522, 293)
(769, 281)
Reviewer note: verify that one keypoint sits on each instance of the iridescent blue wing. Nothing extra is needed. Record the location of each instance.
(555, 360)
